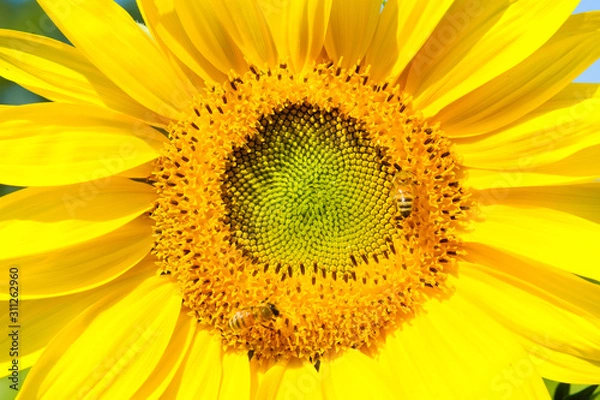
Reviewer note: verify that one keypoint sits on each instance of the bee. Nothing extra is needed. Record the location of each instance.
(250, 316)
(402, 194)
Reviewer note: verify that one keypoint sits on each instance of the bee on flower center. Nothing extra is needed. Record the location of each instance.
(402, 193)
(251, 316)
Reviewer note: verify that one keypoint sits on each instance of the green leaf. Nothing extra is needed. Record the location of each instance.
(585, 394)
(562, 391)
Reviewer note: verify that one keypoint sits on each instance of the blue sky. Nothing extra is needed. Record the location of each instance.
(593, 73)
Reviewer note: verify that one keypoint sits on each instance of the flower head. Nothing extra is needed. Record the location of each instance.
(259, 199)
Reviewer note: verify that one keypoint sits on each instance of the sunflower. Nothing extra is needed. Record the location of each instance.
(303, 199)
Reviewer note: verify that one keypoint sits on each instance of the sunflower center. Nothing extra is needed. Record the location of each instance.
(304, 214)
(308, 189)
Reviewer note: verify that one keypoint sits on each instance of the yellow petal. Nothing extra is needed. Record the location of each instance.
(111, 349)
(206, 31)
(549, 236)
(298, 29)
(565, 291)
(60, 144)
(235, 384)
(172, 358)
(352, 25)
(270, 381)
(529, 84)
(248, 28)
(456, 351)
(563, 367)
(291, 379)
(562, 126)
(354, 375)
(549, 308)
(162, 20)
(476, 42)
(582, 163)
(60, 73)
(200, 374)
(403, 28)
(582, 199)
(83, 266)
(142, 171)
(106, 34)
(40, 320)
(502, 182)
(39, 220)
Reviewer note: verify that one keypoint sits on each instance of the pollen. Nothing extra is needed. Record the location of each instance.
(305, 214)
